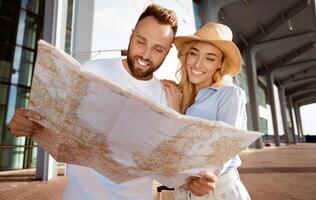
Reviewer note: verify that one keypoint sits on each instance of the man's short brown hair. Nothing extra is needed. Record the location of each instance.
(162, 15)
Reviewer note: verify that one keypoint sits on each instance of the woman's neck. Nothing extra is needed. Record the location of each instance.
(199, 87)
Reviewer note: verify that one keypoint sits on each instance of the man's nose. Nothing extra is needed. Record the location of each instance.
(146, 53)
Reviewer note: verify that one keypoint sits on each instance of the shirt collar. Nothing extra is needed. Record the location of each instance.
(213, 87)
(209, 89)
(216, 88)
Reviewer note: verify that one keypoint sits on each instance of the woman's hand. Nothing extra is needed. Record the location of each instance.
(174, 94)
(202, 185)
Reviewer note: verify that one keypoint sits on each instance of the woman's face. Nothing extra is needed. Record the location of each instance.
(201, 63)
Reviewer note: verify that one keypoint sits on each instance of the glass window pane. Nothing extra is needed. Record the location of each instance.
(69, 26)
(241, 81)
(23, 66)
(261, 96)
(7, 39)
(20, 20)
(34, 156)
(263, 125)
(18, 98)
(30, 33)
(27, 30)
(5, 71)
(31, 5)
(11, 158)
(3, 94)
(8, 9)
(3, 107)
(22, 97)
(26, 68)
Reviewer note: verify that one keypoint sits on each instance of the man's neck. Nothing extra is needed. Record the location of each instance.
(126, 67)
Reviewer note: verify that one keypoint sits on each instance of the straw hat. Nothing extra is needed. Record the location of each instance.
(221, 37)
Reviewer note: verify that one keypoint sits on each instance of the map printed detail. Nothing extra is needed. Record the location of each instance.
(92, 122)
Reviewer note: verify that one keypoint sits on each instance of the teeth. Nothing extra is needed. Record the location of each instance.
(196, 72)
(141, 62)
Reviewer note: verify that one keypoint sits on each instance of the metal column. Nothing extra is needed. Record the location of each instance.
(291, 118)
(54, 32)
(284, 116)
(82, 29)
(46, 166)
(271, 96)
(252, 86)
(297, 129)
(298, 122)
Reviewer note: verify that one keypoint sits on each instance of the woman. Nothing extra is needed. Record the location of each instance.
(209, 59)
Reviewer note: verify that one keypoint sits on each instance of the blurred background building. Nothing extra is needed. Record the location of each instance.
(276, 38)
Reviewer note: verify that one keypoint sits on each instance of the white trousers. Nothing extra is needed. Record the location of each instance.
(228, 187)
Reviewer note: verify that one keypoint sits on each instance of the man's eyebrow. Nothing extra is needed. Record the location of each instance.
(156, 45)
(141, 37)
(210, 54)
(160, 46)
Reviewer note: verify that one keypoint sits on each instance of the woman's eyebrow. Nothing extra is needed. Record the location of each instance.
(209, 54)
(195, 49)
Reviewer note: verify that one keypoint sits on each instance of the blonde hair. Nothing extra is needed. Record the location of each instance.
(188, 89)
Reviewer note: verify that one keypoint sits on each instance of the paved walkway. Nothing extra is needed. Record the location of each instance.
(282, 173)
(22, 185)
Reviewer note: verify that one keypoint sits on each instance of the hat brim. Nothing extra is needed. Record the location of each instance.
(232, 62)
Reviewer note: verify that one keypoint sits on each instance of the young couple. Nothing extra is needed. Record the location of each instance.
(209, 59)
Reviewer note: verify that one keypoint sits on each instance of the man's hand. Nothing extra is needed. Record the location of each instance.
(22, 123)
(202, 185)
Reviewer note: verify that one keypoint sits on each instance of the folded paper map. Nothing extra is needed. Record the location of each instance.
(92, 122)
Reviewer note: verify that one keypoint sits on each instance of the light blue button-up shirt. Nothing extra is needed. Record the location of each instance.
(225, 104)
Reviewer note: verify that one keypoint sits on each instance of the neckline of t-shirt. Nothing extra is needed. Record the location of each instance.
(148, 83)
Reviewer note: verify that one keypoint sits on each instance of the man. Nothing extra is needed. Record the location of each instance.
(149, 45)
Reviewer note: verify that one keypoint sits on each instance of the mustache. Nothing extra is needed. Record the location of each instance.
(146, 60)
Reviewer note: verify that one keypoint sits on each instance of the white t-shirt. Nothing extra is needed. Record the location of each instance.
(86, 184)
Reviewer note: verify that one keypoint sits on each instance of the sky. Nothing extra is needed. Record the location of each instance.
(308, 115)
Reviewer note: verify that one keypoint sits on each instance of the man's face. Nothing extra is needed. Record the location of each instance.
(148, 47)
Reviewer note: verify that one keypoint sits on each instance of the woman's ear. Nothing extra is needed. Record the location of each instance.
(219, 66)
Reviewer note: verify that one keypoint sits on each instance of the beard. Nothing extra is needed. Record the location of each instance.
(145, 73)
(141, 73)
